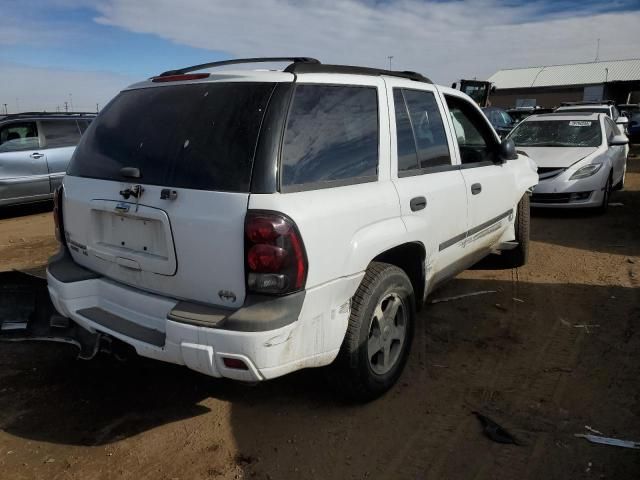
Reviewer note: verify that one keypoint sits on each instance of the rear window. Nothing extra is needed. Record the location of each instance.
(331, 137)
(200, 136)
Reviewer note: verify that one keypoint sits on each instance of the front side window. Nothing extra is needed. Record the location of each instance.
(60, 133)
(19, 136)
(421, 137)
(475, 137)
(558, 133)
(331, 137)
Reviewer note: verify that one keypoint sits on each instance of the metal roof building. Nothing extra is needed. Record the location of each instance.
(617, 80)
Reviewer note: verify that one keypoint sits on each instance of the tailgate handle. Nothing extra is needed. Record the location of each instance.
(128, 263)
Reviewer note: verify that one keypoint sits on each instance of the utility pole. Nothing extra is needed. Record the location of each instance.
(6, 112)
(66, 106)
(597, 51)
(97, 107)
(71, 101)
(390, 57)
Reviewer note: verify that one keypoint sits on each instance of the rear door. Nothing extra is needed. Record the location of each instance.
(430, 186)
(60, 139)
(489, 184)
(157, 190)
(23, 166)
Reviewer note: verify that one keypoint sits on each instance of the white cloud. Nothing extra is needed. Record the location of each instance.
(446, 41)
(27, 88)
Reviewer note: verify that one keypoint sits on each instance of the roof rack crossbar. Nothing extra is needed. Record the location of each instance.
(202, 66)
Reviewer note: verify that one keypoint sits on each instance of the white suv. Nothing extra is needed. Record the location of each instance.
(248, 224)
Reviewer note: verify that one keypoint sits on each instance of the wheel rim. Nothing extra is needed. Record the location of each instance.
(387, 333)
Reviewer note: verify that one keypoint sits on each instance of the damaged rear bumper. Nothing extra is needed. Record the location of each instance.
(269, 336)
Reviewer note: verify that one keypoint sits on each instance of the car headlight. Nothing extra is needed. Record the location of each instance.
(586, 171)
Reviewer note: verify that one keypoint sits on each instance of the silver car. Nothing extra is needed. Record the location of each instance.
(35, 149)
(581, 158)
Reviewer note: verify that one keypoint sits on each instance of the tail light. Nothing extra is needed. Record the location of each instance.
(57, 214)
(276, 261)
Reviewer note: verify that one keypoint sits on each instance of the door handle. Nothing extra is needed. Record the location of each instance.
(476, 188)
(37, 155)
(418, 203)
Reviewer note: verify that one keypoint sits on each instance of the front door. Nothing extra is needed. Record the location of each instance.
(488, 182)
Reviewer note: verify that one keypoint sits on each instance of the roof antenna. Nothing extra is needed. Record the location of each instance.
(597, 51)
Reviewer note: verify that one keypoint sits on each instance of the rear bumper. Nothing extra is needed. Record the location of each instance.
(315, 325)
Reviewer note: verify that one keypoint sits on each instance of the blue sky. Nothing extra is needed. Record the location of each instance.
(96, 47)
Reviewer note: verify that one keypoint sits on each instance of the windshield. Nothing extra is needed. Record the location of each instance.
(198, 136)
(557, 133)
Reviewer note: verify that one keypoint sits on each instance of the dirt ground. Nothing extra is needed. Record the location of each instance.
(557, 347)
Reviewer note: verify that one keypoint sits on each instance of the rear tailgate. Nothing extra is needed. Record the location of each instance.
(193, 146)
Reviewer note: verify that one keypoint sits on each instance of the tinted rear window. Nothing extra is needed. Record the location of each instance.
(200, 136)
(331, 137)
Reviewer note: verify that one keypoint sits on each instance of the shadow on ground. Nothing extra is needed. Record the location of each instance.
(534, 369)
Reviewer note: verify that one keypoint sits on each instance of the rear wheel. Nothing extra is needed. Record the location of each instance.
(606, 194)
(518, 256)
(379, 335)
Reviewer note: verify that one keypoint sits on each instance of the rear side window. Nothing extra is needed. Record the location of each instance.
(418, 122)
(331, 137)
(199, 136)
(60, 133)
(19, 136)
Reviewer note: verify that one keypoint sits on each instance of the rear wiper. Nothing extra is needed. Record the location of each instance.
(131, 172)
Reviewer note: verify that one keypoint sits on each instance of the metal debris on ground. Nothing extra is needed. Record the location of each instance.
(593, 430)
(501, 307)
(494, 431)
(614, 442)
(518, 300)
(464, 295)
(586, 327)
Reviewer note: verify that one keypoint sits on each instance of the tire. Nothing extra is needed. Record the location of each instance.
(358, 372)
(519, 256)
(604, 206)
(620, 184)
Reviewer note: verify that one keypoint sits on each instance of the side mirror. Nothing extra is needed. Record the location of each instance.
(622, 121)
(618, 140)
(508, 150)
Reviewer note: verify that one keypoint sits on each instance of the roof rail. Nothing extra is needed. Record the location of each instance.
(47, 114)
(202, 66)
(301, 65)
(349, 69)
(588, 102)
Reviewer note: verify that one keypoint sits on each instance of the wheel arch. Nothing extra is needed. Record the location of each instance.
(409, 257)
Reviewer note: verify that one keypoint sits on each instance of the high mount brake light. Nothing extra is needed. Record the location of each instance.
(180, 78)
(276, 260)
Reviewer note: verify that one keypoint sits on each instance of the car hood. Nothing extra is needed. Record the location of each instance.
(557, 157)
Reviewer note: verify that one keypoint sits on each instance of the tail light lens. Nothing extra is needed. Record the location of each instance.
(57, 214)
(276, 261)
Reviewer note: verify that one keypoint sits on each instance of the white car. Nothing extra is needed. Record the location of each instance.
(581, 158)
(248, 224)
